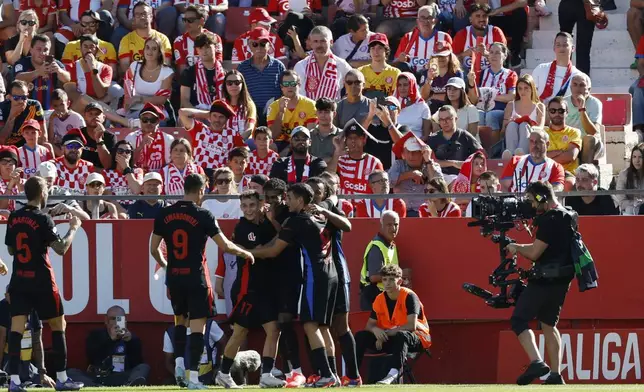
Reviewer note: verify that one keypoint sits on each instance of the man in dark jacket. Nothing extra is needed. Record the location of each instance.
(587, 179)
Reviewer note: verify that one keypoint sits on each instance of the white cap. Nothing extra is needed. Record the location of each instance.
(412, 144)
(302, 129)
(94, 177)
(47, 169)
(152, 176)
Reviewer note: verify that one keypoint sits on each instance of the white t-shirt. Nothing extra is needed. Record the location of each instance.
(466, 115)
(229, 209)
(540, 76)
(148, 89)
(215, 335)
(344, 46)
(413, 117)
(74, 120)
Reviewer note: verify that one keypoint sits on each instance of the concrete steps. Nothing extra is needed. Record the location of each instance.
(616, 21)
(604, 39)
(599, 57)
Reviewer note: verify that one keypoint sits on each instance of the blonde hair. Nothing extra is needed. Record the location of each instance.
(225, 170)
(534, 95)
(33, 14)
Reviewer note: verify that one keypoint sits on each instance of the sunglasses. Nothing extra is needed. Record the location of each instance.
(233, 82)
(89, 24)
(352, 82)
(190, 20)
(289, 84)
(19, 97)
(257, 44)
(125, 151)
(28, 22)
(430, 190)
(554, 111)
(73, 146)
(149, 120)
(392, 107)
(222, 181)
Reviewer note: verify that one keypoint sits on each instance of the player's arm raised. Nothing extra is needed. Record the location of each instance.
(155, 250)
(229, 247)
(61, 245)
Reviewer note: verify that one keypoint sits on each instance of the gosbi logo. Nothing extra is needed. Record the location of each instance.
(419, 61)
(360, 187)
(403, 4)
(30, 170)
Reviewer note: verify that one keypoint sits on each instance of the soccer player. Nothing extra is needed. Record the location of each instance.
(308, 232)
(30, 232)
(185, 227)
(252, 293)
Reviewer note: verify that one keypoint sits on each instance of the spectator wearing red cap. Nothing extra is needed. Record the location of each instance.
(216, 21)
(151, 145)
(14, 111)
(380, 77)
(202, 83)
(409, 174)
(98, 141)
(310, 8)
(185, 53)
(72, 170)
(373, 208)
(165, 17)
(32, 154)
(477, 37)
(211, 144)
(11, 181)
(442, 66)
(353, 46)
(439, 207)
(414, 112)
(242, 48)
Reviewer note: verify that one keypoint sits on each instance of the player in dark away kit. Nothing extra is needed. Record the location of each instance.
(185, 227)
(30, 232)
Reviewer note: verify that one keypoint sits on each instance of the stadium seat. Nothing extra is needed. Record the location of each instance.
(177, 132)
(496, 165)
(485, 134)
(236, 22)
(617, 111)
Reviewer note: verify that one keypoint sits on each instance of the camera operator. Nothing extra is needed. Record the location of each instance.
(548, 282)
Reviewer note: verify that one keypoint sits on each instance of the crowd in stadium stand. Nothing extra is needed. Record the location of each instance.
(129, 97)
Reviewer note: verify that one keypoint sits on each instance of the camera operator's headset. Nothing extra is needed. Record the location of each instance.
(541, 198)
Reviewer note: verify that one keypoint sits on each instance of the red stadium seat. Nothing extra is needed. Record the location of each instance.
(617, 111)
(496, 165)
(236, 22)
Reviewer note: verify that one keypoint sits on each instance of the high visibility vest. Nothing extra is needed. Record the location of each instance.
(389, 256)
(399, 317)
(25, 344)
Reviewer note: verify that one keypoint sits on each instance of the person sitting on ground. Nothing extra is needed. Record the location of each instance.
(587, 179)
(98, 209)
(439, 208)
(585, 114)
(521, 115)
(565, 141)
(397, 325)
(631, 177)
(375, 208)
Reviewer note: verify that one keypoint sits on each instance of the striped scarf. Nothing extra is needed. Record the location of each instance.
(322, 84)
(202, 86)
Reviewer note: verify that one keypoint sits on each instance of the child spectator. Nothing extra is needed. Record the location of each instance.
(32, 154)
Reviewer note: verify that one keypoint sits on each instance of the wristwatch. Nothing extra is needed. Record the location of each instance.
(127, 170)
(95, 71)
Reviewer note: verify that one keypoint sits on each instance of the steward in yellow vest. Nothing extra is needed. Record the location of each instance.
(397, 325)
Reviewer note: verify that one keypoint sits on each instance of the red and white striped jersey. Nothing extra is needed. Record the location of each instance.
(116, 183)
(420, 50)
(75, 8)
(241, 48)
(243, 184)
(504, 81)
(154, 156)
(401, 9)
(185, 53)
(29, 159)
(369, 209)
(465, 39)
(257, 165)
(210, 149)
(452, 210)
(173, 178)
(73, 180)
(15, 191)
(354, 173)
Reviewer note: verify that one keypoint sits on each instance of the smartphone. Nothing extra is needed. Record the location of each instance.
(433, 63)
(120, 322)
(49, 59)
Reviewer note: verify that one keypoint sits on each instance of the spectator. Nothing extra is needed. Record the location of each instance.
(380, 77)
(203, 82)
(216, 21)
(355, 106)
(352, 47)
(69, 20)
(354, 166)
(631, 177)
(235, 92)
(262, 158)
(637, 88)
(213, 347)
(243, 45)
(587, 179)
(521, 114)
(19, 46)
(11, 182)
(634, 25)
(181, 165)
(380, 252)
(106, 54)
(262, 72)
(15, 111)
(185, 54)
(488, 183)
(211, 144)
(384, 127)
(149, 208)
(41, 70)
(453, 16)
(98, 209)
(32, 153)
(553, 78)
(151, 145)
(407, 174)
(99, 142)
(61, 119)
(469, 177)
(585, 114)
(418, 46)
(397, 325)
(257, 182)
(71, 169)
(439, 208)
(308, 8)
(501, 83)
(572, 13)
(123, 178)
(478, 37)
(512, 18)
(451, 145)
(133, 46)
(47, 15)
(414, 111)
(536, 166)
(468, 116)
(301, 165)
(323, 134)
(114, 348)
(148, 80)
(290, 111)
(238, 163)
(565, 141)
(375, 208)
(8, 21)
(164, 14)
(322, 73)
(442, 67)
(224, 184)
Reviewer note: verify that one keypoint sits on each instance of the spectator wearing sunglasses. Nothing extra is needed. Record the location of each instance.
(106, 54)
(216, 20)
(235, 92)
(99, 142)
(72, 170)
(15, 111)
(242, 48)
(185, 54)
(202, 83)
(439, 207)
(123, 178)
(355, 105)
(46, 10)
(151, 145)
(565, 141)
(98, 209)
(69, 16)
(19, 46)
